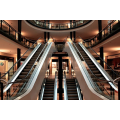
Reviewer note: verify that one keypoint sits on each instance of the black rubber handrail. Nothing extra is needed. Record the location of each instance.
(19, 59)
(92, 72)
(20, 80)
(99, 56)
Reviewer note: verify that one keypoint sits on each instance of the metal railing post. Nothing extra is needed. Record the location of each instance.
(118, 90)
(1, 88)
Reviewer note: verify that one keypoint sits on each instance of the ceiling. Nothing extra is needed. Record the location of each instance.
(31, 32)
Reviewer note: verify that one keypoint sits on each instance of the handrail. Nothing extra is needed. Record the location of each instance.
(88, 65)
(42, 90)
(98, 55)
(101, 30)
(30, 69)
(55, 87)
(96, 88)
(116, 79)
(19, 59)
(16, 30)
(17, 81)
(58, 26)
(78, 90)
(65, 87)
(91, 70)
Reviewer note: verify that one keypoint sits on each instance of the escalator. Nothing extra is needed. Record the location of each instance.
(71, 89)
(17, 88)
(49, 90)
(98, 77)
(90, 74)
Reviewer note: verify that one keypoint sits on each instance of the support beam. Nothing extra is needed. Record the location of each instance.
(71, 35)
(48, 35)
(45, 37)
(118, 90)
(19, 29)
(51, 66)
(1, 88)
(74, 35)
(99, 29)
(60, 77)
(70, 23)
(69, 67)
(18, 57)
(102, 57)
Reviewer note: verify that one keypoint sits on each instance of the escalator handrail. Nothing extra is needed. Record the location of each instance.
(88, 65)
(27, 73)
(84, 69)
(99, 56)
(78, 89)
(91, 70)
(20, 59)
(42, 90)
(65, 88)
(55, 87)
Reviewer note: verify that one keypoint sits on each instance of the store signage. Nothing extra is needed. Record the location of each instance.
(1, 64)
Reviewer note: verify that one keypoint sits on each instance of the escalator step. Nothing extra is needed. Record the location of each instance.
(76, 98)
(47, 98)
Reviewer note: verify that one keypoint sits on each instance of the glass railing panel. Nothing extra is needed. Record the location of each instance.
(5, 27)
(110, 28)
(12, 33)
(58, 26)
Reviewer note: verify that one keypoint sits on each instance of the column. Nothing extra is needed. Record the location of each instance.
(74, 23)
(102, 57)
(99, 29)
(69, 67)
(18, 57)
(71, 35)
(70, 23)
(19, 30)
(48, 35)
(45, 37)
(118, 90)
(45, 23)
(60, 77)
(51, 66)
(74, 35)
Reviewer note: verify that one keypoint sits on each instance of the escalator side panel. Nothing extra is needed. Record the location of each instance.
(87, 90)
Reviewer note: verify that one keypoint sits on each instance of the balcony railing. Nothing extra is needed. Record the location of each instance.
(11, 33)
(58, 26)
(112, 28)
